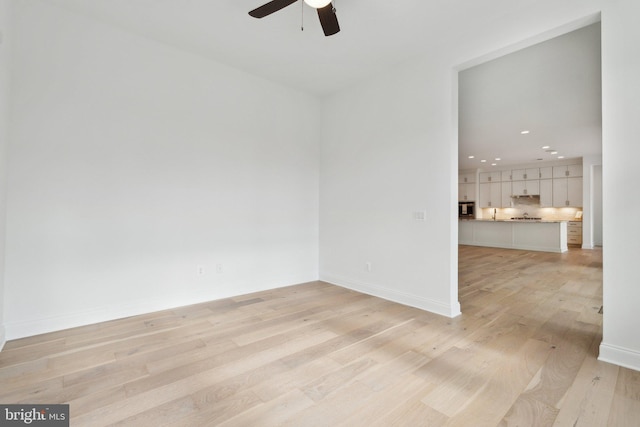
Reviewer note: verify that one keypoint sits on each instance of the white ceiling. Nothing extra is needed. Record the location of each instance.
(554, 97)
(374, 36)
(552, 89)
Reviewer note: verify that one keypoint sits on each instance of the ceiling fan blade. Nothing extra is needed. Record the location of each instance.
(328, 20)
(269, 8)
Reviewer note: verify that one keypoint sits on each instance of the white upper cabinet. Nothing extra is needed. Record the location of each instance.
(567, 192)
(507, 201)
(518, 174)
(574, 191)
(466, 178)
(466, 187)
(466, 192)
(567, 171)
(574, 170)
(546, 173)
(525, 174)
(557, 186)
(526, 188)
(489, 177)
(546, 193)
(490, 195)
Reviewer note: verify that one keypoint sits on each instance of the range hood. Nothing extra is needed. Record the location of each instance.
(527, 196)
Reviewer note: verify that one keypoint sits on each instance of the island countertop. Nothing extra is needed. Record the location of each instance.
(527, 234)
(514, 220)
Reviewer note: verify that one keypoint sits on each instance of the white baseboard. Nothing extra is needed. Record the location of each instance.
(42, 325)
(3, 337)
(620, 356)
(433, 306)
(36, 326)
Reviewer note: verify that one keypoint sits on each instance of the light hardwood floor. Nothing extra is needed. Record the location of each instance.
(522, 354)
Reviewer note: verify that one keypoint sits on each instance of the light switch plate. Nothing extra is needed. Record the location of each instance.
(420, 216)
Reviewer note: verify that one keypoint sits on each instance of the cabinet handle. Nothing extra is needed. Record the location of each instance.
(566, 173)
(465, 179)
(489, 178)
(489, 204)
(525, 191)
(525, 176)
(567, 203)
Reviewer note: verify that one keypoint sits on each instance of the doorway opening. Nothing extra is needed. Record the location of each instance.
(525, 116)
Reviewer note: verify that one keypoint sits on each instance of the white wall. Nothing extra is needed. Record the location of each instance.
(133, 163)
(385, 155)
(592, 201)
(386, 152)
(620, 173)
(597, 205)
(389, 148)
(5, 42)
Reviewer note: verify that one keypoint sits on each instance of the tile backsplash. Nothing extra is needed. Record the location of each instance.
(530, 206)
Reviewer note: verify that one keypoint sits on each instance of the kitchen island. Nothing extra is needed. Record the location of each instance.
(545, 236)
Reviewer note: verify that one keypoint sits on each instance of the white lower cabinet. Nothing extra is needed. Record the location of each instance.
(527, 235)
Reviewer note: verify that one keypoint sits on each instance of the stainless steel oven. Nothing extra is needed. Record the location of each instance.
(466, 210)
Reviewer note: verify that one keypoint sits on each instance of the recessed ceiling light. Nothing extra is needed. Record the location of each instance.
(554, 152)
(561, 157)
(483, 161)
(498, 159)
(472, 157)
(546, 147)
(493, 164)
(524, 132)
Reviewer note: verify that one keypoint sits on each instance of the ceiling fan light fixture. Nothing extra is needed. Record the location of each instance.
(324, 8)
(317, 4)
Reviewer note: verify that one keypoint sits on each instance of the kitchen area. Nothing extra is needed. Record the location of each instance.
(522, 206)
(530, 147)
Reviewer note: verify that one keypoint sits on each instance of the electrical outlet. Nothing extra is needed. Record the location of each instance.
(367, 266)
(200, 270)
(219, 269)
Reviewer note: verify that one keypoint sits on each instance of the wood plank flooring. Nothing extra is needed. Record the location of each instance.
(522, 354)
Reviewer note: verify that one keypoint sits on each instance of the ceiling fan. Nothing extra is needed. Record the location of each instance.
(326, 12)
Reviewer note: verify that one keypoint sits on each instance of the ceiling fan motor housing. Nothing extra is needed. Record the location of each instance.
(326, 12)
